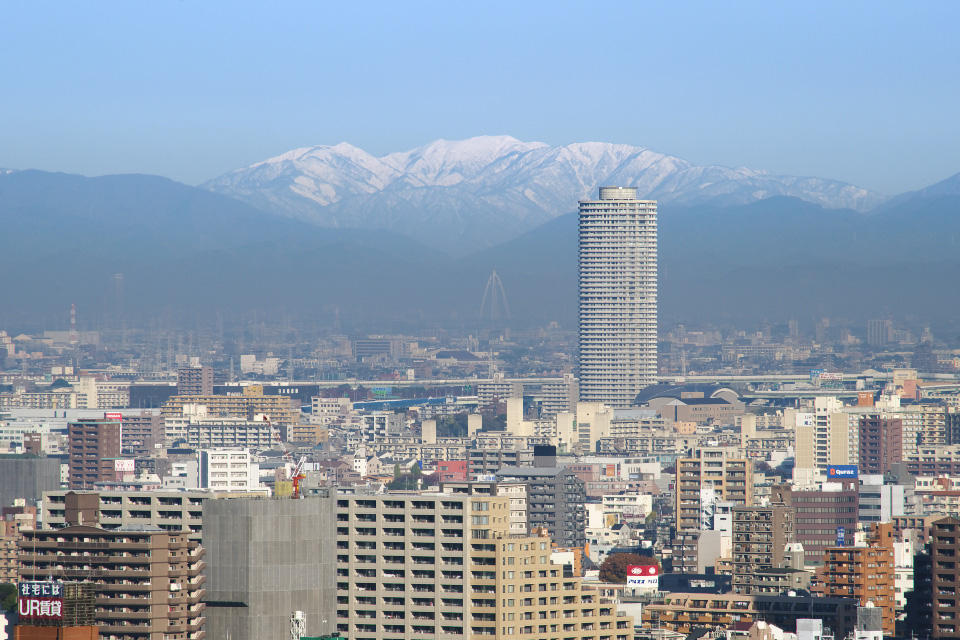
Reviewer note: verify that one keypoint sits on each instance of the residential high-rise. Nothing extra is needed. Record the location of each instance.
(618, 296)
(432, 565)
(195, 381)
(148, 583)
(866, 573)
(760, 539)
(708, 476)
(881, 444)
(93, 445)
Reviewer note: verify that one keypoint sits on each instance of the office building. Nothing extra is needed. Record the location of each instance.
(267, 559)
(443, 565)
(819, 513)
(148, 583)
(195, 381)
(93, 446)
(618, 296)
(709, 476)
(881, 444)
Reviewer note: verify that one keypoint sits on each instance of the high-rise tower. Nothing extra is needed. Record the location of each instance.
(618, 296)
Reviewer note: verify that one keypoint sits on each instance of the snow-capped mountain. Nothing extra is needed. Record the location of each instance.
(477, 192)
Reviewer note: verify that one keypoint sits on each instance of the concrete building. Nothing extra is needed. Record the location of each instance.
(881, 444)
(933, 609)
(687, 612)
(710, 475)
(443, 565)
(823, 435)
(27, 477)
(93, 444)
(879, 502)
(761, 536)
(267, 559)
(618, 296)
(141, 433)
(484, 463)
(865, 573)
(819, 513)
(228, 470)
(148, 583)
(555, 500)
(195, 381)
(170, 511)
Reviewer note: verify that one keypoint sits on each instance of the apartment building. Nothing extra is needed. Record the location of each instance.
(555, 501)
(444, 565)
(170, 511)
(92, 446)
(933, 609)
(760, 539)
(195, 381)
(688, 612)
(281, 409)
(485, 463)
(710, 475)
(141, 433)
(881, 444)
(866, 573)
(148, 583)
(228, 470)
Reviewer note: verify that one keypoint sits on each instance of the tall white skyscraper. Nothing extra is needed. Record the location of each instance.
(618, 296)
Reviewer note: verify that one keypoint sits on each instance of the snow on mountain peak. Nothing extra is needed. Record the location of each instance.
(493, 187)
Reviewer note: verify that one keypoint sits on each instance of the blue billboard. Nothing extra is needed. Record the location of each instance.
(842, 472)
(841, 536)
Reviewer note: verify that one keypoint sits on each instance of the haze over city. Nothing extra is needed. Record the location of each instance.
(450, 321)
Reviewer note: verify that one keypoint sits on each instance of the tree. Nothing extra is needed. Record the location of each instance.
(8, 596)
(614, 566)
(396, 471)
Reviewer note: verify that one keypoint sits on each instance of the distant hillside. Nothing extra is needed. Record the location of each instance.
(186, 254)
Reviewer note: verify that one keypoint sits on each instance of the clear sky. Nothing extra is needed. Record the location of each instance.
(867, 92)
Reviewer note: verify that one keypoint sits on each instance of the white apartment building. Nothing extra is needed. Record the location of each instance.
(618, 296)
(228, 470)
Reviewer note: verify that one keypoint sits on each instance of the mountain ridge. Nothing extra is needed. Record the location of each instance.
(479, 192)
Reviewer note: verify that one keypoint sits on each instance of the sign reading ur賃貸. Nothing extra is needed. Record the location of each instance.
(41, 600)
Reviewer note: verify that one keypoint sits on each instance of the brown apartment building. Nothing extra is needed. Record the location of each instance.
(866, 573)
(881, 444)
(93, 444)
(148, 583)
(760, 539)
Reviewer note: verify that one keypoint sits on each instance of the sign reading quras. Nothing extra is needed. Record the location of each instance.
(842, 471)
(41, 600)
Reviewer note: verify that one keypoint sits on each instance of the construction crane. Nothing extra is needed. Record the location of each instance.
(298, 474)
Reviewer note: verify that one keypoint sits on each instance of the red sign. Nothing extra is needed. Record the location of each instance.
(41, 600)
(113, 416)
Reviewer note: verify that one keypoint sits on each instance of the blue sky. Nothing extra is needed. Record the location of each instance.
(867, 92)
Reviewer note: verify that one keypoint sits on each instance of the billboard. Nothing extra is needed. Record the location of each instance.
(113, 416)
(804, 419)
(124, 466)
(842, 471)
(841, 536)
(643, 577)
(832, 376)
(815, 373)
(40, 600)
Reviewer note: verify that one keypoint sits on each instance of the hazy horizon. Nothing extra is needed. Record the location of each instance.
(853, 92)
